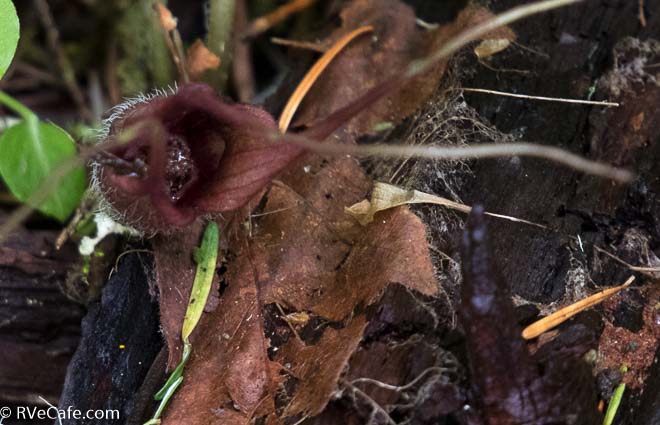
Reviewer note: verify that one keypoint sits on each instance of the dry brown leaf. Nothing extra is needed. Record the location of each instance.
(229, 378)
(200, 59)
(365, 63)
(318, 367)
(175, 279)
(309, 256)
(314, 268)
(385, 196)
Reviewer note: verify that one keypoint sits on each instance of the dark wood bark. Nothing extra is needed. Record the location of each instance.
(39, 326)
(120, 340)
(579, 42)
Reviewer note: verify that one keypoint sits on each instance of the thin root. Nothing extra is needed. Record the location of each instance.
(552, 153)
(550, 99)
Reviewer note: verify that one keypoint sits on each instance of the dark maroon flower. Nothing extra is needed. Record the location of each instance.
(186, 155)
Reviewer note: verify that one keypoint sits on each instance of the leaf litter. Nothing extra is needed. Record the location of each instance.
(306, 254)
(397, 41)
(300, 251)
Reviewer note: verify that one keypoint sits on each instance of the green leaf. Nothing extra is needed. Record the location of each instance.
(30, 151)
(206, 257)
(9, 33)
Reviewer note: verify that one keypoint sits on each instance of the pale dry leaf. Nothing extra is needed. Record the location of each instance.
(490, 47)
(385, 196)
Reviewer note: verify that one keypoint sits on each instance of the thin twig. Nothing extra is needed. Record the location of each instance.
(313, 74)
(120, 256)
(640, 269)
(283, 316)
(503, 70)
(38, 74)
(172, 37)
(531, 50)
(471, 34)
(468, 152)
(305, 45)
(242, 68)
(264, 23)
(561, 315)
(642, 15)
(525, 96)
(68, 74)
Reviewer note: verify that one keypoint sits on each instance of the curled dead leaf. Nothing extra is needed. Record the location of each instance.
(385, 196)
(491, 46)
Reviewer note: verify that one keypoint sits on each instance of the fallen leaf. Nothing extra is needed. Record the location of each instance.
(175, 281)
(318, 367)
(490, 47)
(200, 59)
(496, 41)
(229, 378)
(385, 196)
(306, 254)
(337, 275)
(367, 62)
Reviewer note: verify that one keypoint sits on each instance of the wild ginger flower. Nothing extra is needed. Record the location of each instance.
(186, 155)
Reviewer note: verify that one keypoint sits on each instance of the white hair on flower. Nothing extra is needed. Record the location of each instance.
(120, 109)
(103, 207)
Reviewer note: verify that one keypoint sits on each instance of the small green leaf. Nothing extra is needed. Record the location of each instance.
(30, 151)
(9, 33)
(206, 257)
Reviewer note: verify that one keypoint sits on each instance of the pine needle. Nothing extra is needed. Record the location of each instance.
(549, 99)
(313, 74)
(560, 316)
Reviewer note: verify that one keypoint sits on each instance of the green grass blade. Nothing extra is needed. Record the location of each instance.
(207, 257)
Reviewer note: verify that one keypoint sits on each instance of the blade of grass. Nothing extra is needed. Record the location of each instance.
(615, 401)
(206, 256)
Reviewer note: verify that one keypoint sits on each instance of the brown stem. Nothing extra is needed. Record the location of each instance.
(68, 73)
